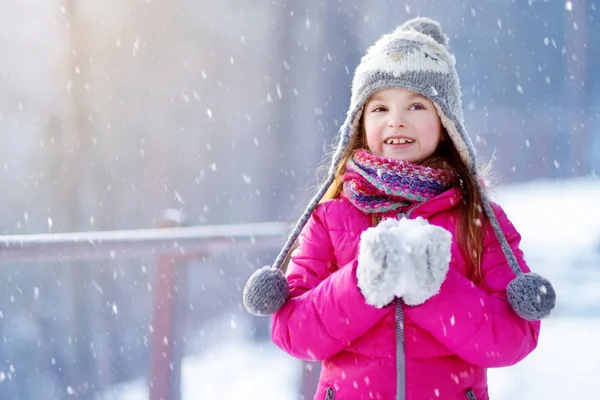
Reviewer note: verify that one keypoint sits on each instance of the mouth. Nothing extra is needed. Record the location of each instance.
(396, 141)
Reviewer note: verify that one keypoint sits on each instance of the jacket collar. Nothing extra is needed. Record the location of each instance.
(442, 202)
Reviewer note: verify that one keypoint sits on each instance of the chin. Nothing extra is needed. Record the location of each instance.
(400, 158)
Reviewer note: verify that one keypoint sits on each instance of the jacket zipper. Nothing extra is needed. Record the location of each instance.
(400, 360)
(406, 214)
(471, 395)
(410, 210)
(400, 356)
(329, 394)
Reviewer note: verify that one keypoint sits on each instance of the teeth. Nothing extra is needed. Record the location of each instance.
(398, 141)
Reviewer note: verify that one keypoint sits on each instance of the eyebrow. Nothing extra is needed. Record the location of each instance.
(409, 98)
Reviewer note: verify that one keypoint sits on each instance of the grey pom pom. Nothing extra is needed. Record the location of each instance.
(427, 27)
(266, 291)
(531, 296)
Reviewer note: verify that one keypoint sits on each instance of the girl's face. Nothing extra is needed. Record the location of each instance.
(402, 125)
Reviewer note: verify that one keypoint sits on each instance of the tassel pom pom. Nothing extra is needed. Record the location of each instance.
(266, 291)
(427, 27)
(531, 296)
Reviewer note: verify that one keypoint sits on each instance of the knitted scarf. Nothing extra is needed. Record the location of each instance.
(378, 185)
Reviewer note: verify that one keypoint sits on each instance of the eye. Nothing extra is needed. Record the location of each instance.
(379, 109)
(417, 106)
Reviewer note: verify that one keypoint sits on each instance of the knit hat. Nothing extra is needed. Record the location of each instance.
(415, 56)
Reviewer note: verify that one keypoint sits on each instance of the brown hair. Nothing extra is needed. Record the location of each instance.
(471, 217)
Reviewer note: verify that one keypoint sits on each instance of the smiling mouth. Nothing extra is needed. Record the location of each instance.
(399, 141)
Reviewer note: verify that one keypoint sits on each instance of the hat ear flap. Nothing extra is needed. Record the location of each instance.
(267, 290)
(530, 295)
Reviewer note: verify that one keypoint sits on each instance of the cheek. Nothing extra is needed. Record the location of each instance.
(432, 130)
(371, 133)
(370, 141)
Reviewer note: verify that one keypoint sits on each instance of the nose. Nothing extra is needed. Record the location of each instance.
(396, 122)
(396, 119)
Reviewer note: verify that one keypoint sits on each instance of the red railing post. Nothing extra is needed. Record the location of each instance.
(167, 345)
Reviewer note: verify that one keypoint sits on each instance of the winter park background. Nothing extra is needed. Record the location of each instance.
(115, 111)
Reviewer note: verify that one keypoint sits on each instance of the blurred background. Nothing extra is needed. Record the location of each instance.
(114, 111)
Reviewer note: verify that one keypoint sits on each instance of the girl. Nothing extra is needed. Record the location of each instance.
(403, 283)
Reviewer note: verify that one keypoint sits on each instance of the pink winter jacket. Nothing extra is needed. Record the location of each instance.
(438, 350)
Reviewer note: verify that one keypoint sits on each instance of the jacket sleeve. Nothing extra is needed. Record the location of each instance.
(326, 310)
(477, 323)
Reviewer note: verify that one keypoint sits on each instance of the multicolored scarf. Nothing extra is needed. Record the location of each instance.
(378, 185)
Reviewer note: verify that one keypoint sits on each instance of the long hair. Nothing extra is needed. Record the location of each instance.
(472, 219)
(356, 142)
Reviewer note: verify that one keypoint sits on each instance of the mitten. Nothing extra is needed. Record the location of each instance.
(428, 247)
(406, 258)
(384, 269)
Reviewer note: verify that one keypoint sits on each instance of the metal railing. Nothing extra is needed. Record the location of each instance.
(131, 243)
(169, 244)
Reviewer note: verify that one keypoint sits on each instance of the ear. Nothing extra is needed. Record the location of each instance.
(445, 137)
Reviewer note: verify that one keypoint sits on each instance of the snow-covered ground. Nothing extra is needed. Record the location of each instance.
(565, 365)
(560, 225)
(232, 367)
(236, 369)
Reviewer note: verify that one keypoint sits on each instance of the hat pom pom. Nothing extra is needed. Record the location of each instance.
(427, 27)
(531, 296)
(266, 291)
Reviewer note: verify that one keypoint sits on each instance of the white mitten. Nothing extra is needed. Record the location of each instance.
(429, 248)
(384, 261)
(406, 258)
